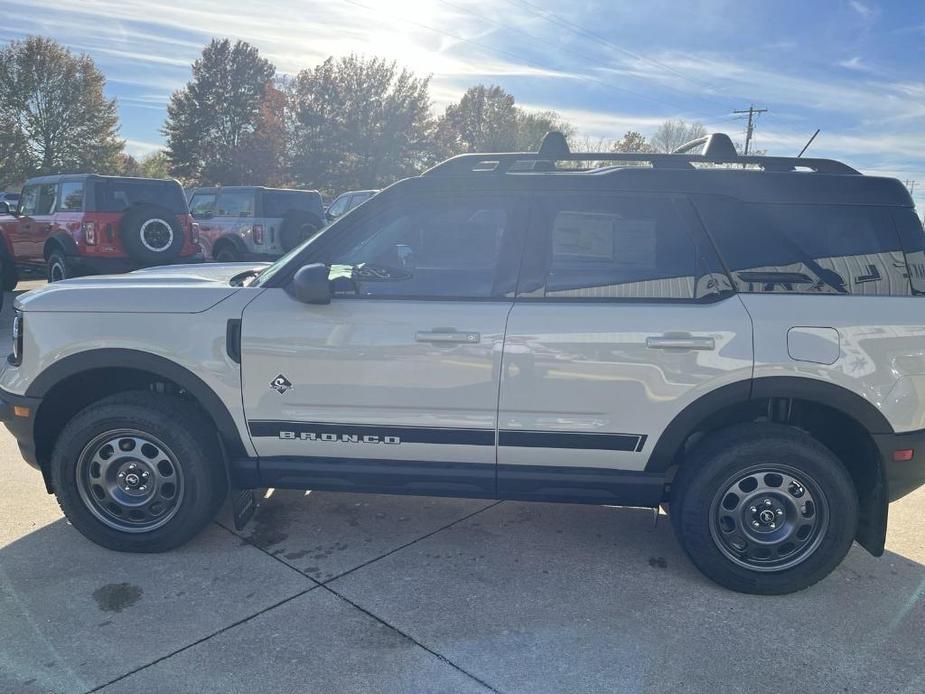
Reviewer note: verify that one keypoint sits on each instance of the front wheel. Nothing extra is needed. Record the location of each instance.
(137, 472)
(764, 508)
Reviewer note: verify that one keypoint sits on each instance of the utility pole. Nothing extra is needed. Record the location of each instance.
(910, 184)
(752, 112)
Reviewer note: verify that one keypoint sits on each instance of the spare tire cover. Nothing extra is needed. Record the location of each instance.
(151, 234)
(297, 226)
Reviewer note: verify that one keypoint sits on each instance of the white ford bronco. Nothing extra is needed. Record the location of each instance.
(741, 339)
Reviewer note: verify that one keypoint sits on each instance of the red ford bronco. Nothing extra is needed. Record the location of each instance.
(78, 224)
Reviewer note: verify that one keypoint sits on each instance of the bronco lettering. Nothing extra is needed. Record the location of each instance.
(338, 438)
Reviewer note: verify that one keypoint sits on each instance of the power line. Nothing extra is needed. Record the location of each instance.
(910, 184)
(581, 30)
(752, 112)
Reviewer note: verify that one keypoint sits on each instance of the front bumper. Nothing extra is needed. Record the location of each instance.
(20, 425)
(90, 265)
(904, 476)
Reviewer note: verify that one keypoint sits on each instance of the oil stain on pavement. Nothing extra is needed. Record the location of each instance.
(115, 597)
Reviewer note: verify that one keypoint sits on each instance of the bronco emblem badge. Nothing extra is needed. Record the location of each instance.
(280, 384)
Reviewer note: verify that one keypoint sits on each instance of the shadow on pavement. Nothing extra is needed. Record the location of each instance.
(523, 597)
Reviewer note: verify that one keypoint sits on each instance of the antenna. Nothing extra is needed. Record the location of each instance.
(806, 146)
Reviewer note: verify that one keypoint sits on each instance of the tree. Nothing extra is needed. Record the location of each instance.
(358, 123)
(54, 116)
(673, 133)
(487, 119)
(216, 112)
(632, 141)
(155, 165)
(484, 120)
(533, 125)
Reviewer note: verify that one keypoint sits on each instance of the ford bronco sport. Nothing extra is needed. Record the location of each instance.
(743, 343)
(254, 223)
(77, 224)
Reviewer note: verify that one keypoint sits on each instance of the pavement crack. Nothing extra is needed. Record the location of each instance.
(442, 658)
(408, 544)
(203, 639)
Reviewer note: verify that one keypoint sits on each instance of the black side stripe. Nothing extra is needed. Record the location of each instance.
(447, 435)
(583, 440)
(467, 437)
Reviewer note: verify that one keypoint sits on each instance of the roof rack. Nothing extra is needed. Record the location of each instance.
(717, 149)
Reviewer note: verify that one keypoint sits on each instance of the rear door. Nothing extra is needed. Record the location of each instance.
(403, 364)
(623, 317)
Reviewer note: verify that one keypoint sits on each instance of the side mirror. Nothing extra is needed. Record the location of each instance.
(311, 285)
(4, 207)
(330, 217)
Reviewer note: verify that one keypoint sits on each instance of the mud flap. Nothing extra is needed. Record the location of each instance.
(242, 507)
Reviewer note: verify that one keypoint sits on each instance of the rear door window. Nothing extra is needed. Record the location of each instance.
(72, 196)
(608, 247)
(118, 194)
(807, 249)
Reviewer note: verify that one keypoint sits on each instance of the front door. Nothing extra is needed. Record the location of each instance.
(394, 384)
(623, 318)
(34, 226)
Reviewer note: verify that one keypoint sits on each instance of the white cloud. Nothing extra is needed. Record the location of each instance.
(865, 11)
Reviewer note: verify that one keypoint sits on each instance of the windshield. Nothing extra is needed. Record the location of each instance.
(282, 261)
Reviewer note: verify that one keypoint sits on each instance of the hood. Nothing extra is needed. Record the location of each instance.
(169, 289)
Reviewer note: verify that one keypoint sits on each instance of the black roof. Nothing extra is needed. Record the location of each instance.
(752, 178)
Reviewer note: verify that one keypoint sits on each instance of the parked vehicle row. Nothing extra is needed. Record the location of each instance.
(80, 224)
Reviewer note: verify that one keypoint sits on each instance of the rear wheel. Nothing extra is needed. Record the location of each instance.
(764, 508)
(58, 267)
(137, 472)
(227, 254)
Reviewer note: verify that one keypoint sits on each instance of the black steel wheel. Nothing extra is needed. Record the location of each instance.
(763, 508)
(130, 480)
(139, 471)
(769, 518)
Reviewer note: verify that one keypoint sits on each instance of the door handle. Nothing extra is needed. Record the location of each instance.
(448, 335)
(680, 342)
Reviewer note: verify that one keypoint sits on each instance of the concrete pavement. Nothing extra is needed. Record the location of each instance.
(348, 593)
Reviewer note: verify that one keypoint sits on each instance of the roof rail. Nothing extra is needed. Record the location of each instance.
(717, 149)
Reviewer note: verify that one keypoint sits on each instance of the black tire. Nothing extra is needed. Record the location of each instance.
(725, 529)
(151, 234)
(10, 273)
(58, 267)
(185, 456)
(296, 227)
(227, 253)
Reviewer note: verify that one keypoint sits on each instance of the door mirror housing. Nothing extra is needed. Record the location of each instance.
(4, 207)
(311, 285)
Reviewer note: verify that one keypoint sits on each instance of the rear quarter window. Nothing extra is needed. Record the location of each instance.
(117, 195)
(807, 249)
(276, 203)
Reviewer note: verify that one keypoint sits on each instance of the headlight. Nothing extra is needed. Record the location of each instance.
(15, 357)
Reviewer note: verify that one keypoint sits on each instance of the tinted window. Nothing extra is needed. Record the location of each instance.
(29, 200)
(202, 204)
(117, 195)
(72, 196)
(276, 203)
(438, 248)
(807, 249)
(358, 199)
(46, 199)
(609, 247)
(913, 241)
(236, 204)
(339, 206)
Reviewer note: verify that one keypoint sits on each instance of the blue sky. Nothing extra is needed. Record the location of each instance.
(854, 68)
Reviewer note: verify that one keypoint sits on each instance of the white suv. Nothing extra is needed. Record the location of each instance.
(743, 344)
